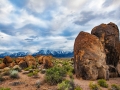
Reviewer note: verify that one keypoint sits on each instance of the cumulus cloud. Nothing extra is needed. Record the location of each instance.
(31, 25)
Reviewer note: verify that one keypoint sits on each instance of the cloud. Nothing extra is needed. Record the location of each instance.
(31, 25)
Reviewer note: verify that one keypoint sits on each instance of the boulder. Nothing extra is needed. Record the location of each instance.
(89, 57)
(12, 64)
(30, 60)
(23, 64)
(40, 59)
(47, 62)
(2, 65)
(7, 60)
(19, 59)
(118, 68)
(112, 71)
(109, 36)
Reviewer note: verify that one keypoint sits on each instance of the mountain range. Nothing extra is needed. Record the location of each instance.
(58, 53)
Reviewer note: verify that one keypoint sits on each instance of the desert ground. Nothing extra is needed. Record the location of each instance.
(25, 82)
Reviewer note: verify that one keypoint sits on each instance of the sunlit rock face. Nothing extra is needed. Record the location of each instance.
(89, 57)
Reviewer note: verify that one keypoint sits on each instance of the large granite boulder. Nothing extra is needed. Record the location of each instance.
(46, 61)
(30, 60)
(89, 57)
(18, 59)
(2, 65)
(109, 36)
(7, 60)
(40, 59)
(23, 64)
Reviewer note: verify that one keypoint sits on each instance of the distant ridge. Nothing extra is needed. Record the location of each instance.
(58, 53)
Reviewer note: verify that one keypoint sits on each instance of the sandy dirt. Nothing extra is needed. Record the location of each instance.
(28, 83)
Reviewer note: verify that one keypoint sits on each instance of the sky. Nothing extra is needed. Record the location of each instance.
(33, 25)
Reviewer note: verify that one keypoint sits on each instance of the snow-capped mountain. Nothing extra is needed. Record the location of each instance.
(55, 53)
(58, 53)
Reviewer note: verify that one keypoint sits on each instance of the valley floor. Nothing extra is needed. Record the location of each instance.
(28, 83)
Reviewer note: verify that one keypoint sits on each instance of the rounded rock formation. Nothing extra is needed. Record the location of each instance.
(109, 36)
(89, 57)
(30, 60)
(7, 60)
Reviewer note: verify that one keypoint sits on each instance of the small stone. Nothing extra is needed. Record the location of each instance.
(37, 84)
(16, 83)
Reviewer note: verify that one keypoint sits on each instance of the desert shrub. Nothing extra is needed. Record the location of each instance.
(65, 85)
(1, 78)
(115, 87)
(103, 83)
(17, 68)
(94, 86)
(55, 75)
(4, 88)
(70, 74)
(14, 74)
(1, 61)
(68, 68)
(28, 68)
(33, 73)
(78, 88)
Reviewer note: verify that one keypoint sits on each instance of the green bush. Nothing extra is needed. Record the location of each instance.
(115, 87)
(70, 74)
(65, 85)
(55, 75)
(35, 72)
(28, 68)
(14, 74)
(102, 83)
(94, 86)
(4, 88)
(78, 88)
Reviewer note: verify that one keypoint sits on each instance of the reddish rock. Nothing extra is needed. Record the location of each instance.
(89, 57)
(19, 59)
(40, 59)
(30, 60)
(2, 65)
(47, 62)
(12, 64)
(23, 64)
(7, 60)
(109, 36)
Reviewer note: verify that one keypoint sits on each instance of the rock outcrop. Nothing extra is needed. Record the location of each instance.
(2, 65)
(7, 60)
(30, 60)
(89, 57)
(109, 36)
(45, 60)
